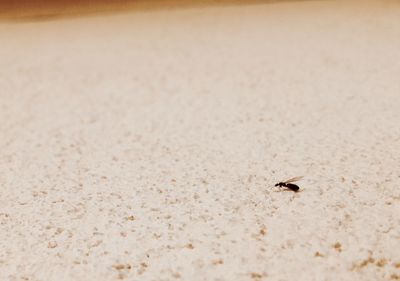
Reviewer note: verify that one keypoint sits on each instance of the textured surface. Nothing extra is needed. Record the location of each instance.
(144, 146)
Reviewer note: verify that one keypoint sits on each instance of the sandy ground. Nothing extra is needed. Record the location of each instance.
(143, 146)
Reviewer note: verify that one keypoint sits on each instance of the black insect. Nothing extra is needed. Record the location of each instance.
(289, 184)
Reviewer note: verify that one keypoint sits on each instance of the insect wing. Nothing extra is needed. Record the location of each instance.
(293, 179)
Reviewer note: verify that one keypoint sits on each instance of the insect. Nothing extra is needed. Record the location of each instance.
(289, 184)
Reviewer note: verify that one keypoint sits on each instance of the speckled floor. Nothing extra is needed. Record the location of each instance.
(144, 146)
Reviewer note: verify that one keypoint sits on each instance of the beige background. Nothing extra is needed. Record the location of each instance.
(143, 145)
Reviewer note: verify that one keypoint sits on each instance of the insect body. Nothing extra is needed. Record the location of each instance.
(289, 184)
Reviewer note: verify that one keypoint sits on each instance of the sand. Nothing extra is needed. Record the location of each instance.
(144, 145)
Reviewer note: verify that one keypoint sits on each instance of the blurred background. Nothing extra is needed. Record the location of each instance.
(47, 9)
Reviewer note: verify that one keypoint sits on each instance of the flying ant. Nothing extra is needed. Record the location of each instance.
(289, 184)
